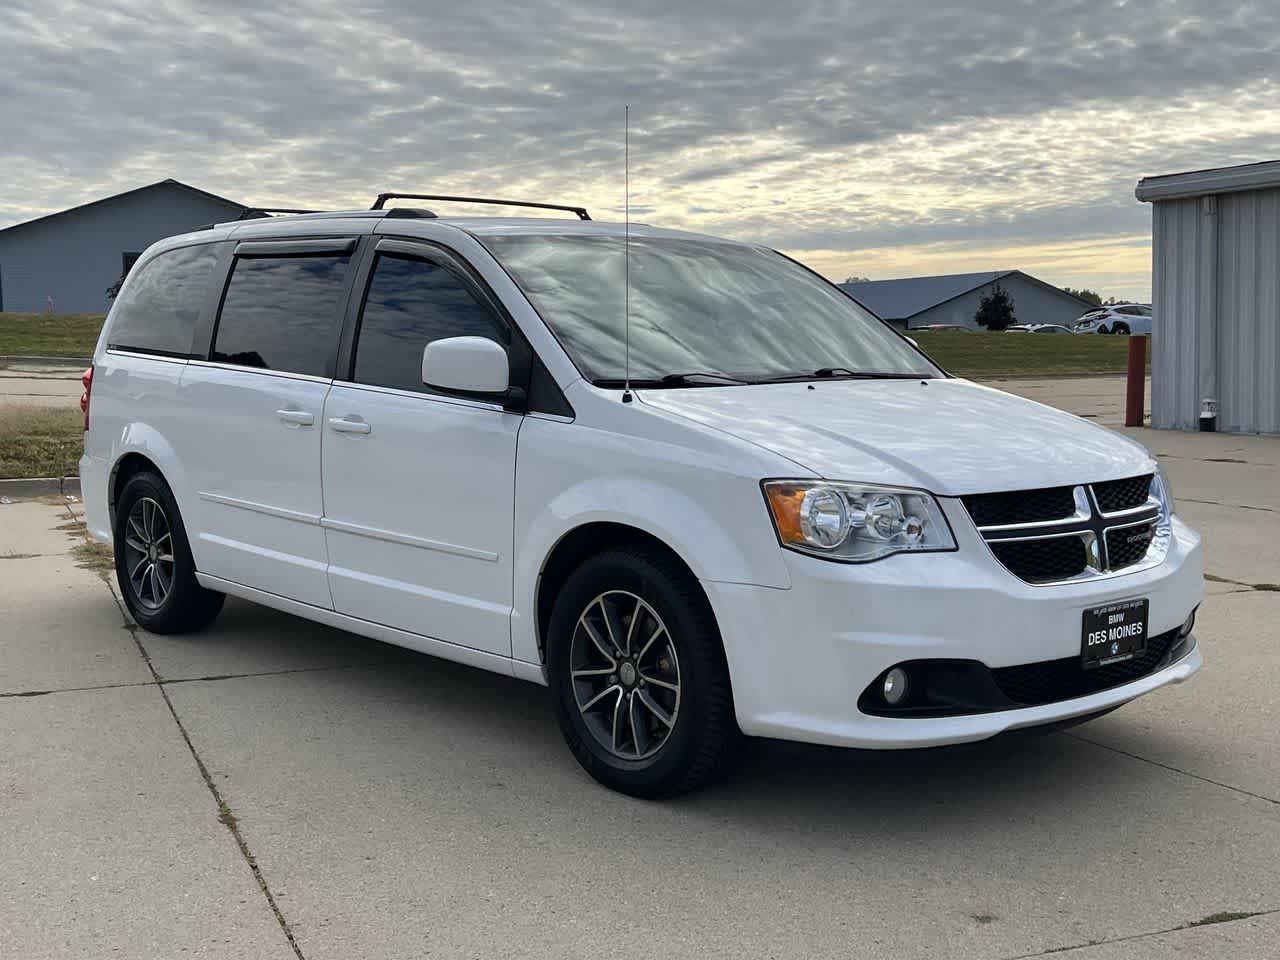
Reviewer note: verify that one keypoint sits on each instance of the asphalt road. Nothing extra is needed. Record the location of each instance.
(272, 788)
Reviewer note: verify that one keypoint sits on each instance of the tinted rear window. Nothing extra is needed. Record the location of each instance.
(282, 313)
(410, 304)
(157, 310)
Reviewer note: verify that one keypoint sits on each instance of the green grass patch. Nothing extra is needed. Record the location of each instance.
(40, 442)
(1025, 354)
(1226, 916)
(49, 334)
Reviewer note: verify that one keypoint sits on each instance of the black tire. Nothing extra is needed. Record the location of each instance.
(1103, 330)
(1121, 329)
(141, 536)
(698, 743)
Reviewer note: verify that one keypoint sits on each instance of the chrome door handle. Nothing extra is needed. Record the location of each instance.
(343, 425)
(296, 418)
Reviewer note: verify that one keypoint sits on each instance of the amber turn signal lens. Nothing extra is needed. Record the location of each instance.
(784, 502)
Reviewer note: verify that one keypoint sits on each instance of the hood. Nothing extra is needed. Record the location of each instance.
(951, 437)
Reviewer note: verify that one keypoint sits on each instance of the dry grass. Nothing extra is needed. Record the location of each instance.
(40, 442)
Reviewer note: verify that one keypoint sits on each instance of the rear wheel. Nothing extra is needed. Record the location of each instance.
(1103, 330)
(638, 674)
(154, 568)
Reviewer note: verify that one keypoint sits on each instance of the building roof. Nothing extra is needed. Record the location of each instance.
(170, 182)
(900, 299)
(904, 298)
(1199, 183)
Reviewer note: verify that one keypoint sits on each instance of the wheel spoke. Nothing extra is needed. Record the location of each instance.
(138, 531)
(631, 627)
(649, 643)
(612, 625)
(599, 696)
(165, 580)
(592, 672)
(597, 639)
(631, 717)
(659, 682)
(622, 698)
(135, 544)
(149, 519)
(652, 706)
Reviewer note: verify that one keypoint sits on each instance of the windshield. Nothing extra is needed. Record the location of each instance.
(698, 307)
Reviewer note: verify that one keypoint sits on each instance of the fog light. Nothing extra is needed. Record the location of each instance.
(895, 686)
(1188, 625)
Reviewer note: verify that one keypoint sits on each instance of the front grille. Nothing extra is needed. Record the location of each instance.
(1043, 561)
(1127, 545)
(1117, 495)
(1031, 684)
(1022, 506)
(1060, 533)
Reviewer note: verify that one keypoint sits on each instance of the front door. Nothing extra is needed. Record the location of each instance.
(418, 487)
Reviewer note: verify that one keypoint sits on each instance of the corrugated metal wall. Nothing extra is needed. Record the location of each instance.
(1249, 312)
(1216, 299)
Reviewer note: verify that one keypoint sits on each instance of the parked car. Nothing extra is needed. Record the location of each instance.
(746, 506)
(951, 327)
(1122, 318)
(1038, 328)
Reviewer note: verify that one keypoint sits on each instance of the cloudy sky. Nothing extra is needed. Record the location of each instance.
(873, 138)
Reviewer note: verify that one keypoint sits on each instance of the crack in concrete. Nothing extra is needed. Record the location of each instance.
(1193, 925)
(224, 811)
(1172, 769)
(167, 682)
(1220, 503)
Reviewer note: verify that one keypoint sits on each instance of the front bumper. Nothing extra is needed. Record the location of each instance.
(799, 658)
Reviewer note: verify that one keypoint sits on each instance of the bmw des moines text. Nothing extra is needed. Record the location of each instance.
(686, 483)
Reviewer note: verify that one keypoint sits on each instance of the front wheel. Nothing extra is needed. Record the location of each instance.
(638, 674)
(1121, 329)
(154, 568)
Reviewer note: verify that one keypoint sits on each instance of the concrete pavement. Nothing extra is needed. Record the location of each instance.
(386, 804)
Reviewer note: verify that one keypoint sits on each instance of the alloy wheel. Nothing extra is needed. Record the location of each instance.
(148, 553)
(625, 675)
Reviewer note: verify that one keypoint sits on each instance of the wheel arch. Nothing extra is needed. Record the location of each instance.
(586, 540)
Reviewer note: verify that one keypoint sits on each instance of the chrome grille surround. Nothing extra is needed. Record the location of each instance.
(1091, 525)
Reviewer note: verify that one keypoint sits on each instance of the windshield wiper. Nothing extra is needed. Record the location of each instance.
(699, 379)
(843, 373)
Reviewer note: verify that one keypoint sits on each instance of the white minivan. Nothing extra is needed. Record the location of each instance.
(762, 511)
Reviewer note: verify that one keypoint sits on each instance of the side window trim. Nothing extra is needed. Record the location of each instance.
(428, 252)
(355, 248)
(527, 369)
(201, 318)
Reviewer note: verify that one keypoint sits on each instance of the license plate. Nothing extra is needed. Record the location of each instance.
(1113, 633)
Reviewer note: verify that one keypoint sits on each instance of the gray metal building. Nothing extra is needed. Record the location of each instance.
(914, 302)
(1216, 297)
(73, 256)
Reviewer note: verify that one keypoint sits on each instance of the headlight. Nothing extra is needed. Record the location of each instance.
(855, 522)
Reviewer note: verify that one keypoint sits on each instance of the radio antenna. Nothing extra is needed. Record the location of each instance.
(626, 252)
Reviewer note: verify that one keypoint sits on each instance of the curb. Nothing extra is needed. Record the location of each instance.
(51, 361)
(30, 489)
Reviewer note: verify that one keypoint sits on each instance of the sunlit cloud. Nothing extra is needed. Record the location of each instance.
(873, 139)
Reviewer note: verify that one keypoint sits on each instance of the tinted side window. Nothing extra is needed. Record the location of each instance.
(157, 311)
(411, 303)
(282, 313)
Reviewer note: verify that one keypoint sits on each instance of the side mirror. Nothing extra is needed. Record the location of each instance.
(473, 366)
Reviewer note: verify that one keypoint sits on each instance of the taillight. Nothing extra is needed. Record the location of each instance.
(87, 379)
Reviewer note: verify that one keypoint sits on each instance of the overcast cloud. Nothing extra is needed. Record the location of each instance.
(883, 139)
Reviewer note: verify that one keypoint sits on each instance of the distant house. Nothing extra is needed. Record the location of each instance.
(914, 302)
(73, 256)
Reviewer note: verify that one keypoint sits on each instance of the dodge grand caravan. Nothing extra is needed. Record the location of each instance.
(761, 511)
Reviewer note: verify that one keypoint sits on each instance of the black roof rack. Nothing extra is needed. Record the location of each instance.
(381, 202)
(254, 213)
